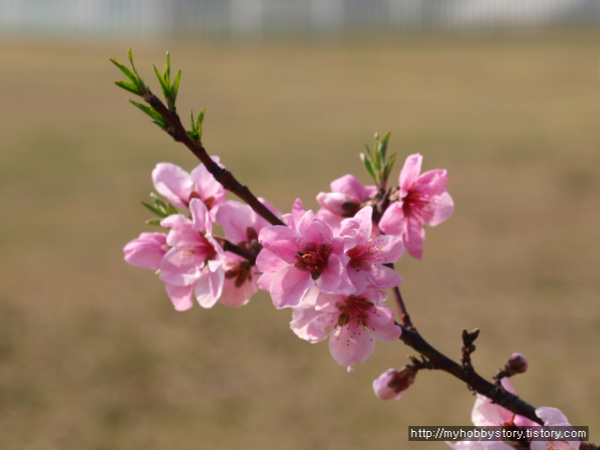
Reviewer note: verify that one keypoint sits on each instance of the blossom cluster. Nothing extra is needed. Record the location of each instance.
(332, 267)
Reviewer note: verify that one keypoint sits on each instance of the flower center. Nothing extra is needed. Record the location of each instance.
(355, 310)
(204, 249)
(363, 255)
(416, 204)
(313, 259)
(241, 272)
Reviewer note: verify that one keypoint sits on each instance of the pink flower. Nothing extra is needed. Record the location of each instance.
(147, 250)
(393, 383)
(180, 187)
(553, 417)
(194, 261)
(241, 225)
(422, 200)
(300, 256)
(344, 201)
(352, 322)
(367, 252)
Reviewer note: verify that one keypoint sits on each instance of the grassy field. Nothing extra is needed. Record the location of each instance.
(93, 356)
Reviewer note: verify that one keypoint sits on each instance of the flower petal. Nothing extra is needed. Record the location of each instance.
(351, 344)
(410, 172)
(414, 238)
(442, 210)
(235, 218)
(200, 217)
(173, 182)
(179, 267)
(209, 287)
(288, 285)
(147, 250)
(393, 220)
(309, 324)
(334, 278)
(181, 296)
(383, 327)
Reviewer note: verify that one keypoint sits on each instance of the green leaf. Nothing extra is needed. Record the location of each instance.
(388, 166)
(368, 165)
(175, 87)
(133, 88)
(199, 122)
(382, 147)
(167, 69)
(196, 131)
(163, 84)
(132, 75)
(193, 133)
(163, 207)
(158, 202)
(128, 73)
(369, 151)
(130, 58)
(155, 115)
(171, 209)
(154, 209)
(155, 222)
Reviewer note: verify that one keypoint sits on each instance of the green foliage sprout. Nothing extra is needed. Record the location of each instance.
(136, 86)
(375, 161)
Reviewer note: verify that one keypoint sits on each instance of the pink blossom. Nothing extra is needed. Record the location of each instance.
(194, 261)
(423, 200)
(368, 253)
(347, 195)
(147, 250)
(302, 255)
(553, 417)
(352, 323)
(241, 226)
(393, 383)
(180, 187)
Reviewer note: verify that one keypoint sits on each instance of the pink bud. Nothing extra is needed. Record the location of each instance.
(517, 363)
(393, 383)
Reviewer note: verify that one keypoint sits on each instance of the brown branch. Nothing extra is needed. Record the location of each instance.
(229, 246)
(404, 317)
(222, 175)
(468, 348)
(412, 338)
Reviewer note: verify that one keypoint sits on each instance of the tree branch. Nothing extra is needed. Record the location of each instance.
(412, 338)
(223, 176)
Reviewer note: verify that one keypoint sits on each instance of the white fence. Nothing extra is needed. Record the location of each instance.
(190, 18)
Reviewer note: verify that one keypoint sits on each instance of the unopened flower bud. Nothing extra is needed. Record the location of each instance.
(393, 383)
(517, 363)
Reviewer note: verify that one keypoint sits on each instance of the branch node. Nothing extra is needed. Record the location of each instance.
(468, 347)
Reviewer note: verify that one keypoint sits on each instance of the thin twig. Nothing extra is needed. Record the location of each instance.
(229, 246)
(222, 175)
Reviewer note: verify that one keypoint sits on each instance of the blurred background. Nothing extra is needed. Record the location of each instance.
(503, 94)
